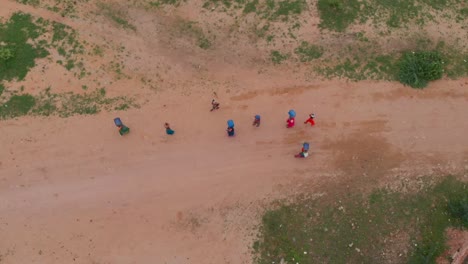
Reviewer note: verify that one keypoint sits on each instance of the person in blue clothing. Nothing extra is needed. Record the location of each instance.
(230, 129)
(169, 131)
(256, 121)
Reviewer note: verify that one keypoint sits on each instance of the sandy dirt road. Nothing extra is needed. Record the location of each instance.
(73, 191)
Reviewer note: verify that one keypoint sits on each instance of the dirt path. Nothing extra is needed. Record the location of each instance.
(73, 190)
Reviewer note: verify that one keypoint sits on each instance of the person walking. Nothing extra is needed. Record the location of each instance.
(291, 121)
(230, 129)
(122, 128)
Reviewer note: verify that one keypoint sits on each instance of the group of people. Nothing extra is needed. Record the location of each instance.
(290, 122)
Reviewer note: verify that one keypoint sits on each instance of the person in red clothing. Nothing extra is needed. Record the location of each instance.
(290, 122)
(310, 120)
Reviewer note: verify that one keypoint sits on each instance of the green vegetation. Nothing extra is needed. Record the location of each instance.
(6, 53)
(352, 228)
(159, 3)
(417, 69)
(250, 7)
(464, 13)
(64, 105)
(269, 9)
(29, 2)
(63, 7)
(308, 52)
(17, 105)
(455, 61)
(2, 88)
(19, 47)
(277, 57)
(370, 66)
(337, 14)
(116, 15)
(65, 40)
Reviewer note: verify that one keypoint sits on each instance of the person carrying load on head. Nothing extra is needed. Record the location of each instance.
(230, 129)
(122, 128)
(214, 105)
(291, 121)
(304, 152)
(169, 131)
(310, 120)
(256, 121)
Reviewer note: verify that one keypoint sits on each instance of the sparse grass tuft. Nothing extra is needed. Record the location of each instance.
(277, 57)
(308, 52)
(193, 30)
(116, 15)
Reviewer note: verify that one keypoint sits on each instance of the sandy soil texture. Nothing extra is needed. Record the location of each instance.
(73, 191)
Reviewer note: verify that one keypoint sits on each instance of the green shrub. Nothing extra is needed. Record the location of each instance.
(419, 68)
(458, 208)
(6, 53)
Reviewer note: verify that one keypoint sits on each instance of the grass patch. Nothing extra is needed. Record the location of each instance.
(34, 3)
(374, 67)
(19, 48)
(165, 2)
(353, 228)
(418, 68)
(268, 9)
(464, 13)
(307, 52)
(278, 57)
(287, 8)
(17, 105)
(63, 105)
(2, 88)
(337, 15)
(250, 7)
(455, 60)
